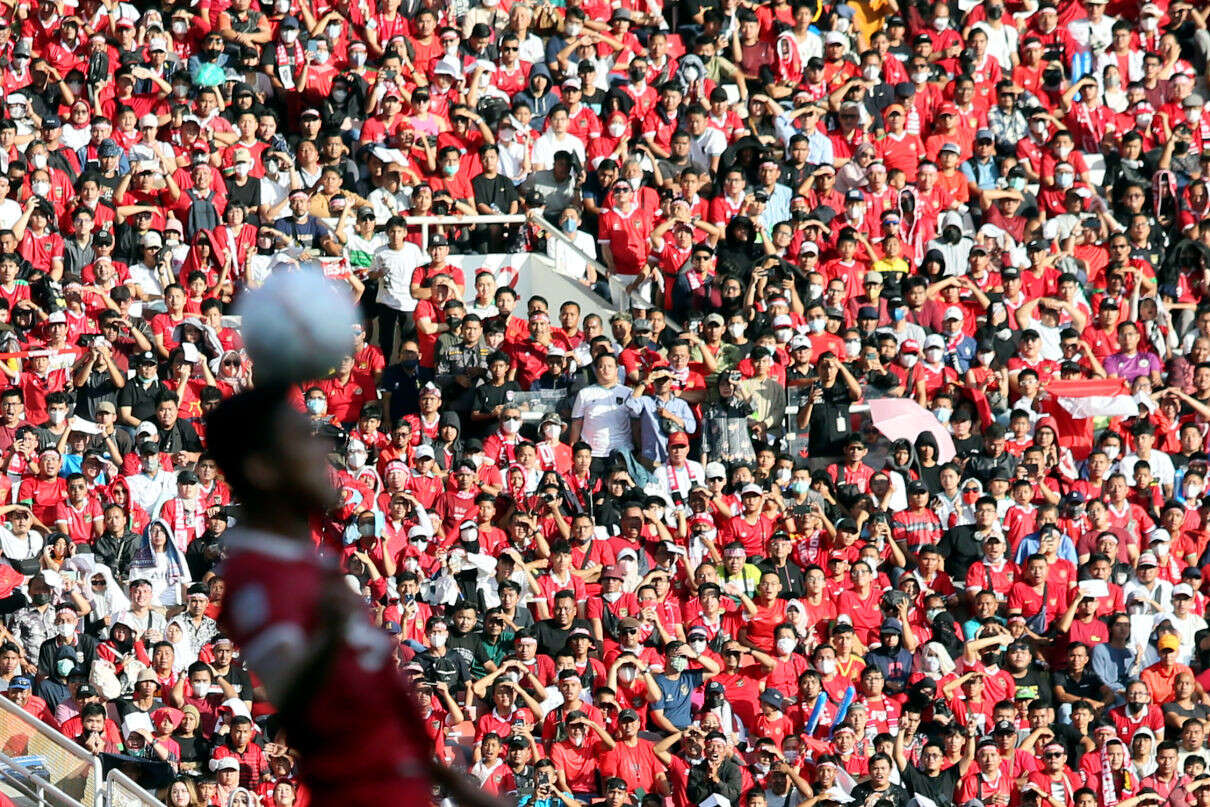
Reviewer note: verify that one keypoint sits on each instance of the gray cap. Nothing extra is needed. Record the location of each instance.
(1193, 99)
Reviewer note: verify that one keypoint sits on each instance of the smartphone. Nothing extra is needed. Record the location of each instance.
(69, 575)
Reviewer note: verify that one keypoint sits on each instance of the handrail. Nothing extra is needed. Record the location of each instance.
(31, 785)
(73, 769)
(132, 792)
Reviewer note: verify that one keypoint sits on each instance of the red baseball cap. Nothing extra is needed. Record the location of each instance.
(948, 109)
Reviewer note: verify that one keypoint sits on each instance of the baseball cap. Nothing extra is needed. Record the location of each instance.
(1169, 641)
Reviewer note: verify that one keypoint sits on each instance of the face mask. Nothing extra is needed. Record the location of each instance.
(941, 23)
(1064, 180)
(317, 406)
(678, 664)
(932, 614)
(420, 545)
(627, 674)
(612, 596)
(271, 167)
(872, 72)
(934, 354)
(357, 59)
(1111, 452)
(1161, 550)
(856, 213)
(321, 57)
(450, 170)
(570, 226)
(199, 690)
(339, 96)
(1132, 163)
(637, 76)
(57, 416)
(842, 25)
(698, 645)
(357, 459)
(550, 432)
(932, 664)
(1148, 23)
(736, 329)
(995, 12)
(1135, 708)
(1038, 126)
(617, 129)
(783, 476)
(40, 188)
(920, 76)
(786, 646)
(783, 334)
(333, 31)
(289, 36)
(943, 414)
(851, 348)
(39, 160)
(438, 640)
(1192, 491)
(64, 666)
(817, 324)
(40, 599)
(799, 487)
(1194, 114)
(827, 666)
(572, 30)
(986, 358)
(908, 360)
(899, 314)
(814, 291)
(241, 169)
(512, 425)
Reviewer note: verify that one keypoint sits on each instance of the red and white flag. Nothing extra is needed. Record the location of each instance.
(1073, 405)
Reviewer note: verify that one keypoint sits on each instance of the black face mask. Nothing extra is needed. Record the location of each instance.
(1180, 147)
(995, 12)
(40, 599)
(213, 54)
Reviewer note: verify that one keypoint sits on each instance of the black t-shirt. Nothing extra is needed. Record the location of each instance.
(489, 396)
(1088, 686)
(451, 669)
(496, 191)
(1034, 682)
(896, 794)
(552, 638)
(939, 788)
(246, 195)
(829, 425)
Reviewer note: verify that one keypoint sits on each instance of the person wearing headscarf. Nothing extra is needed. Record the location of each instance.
(158, 561)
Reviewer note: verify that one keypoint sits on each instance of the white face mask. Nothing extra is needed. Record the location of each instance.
(550, 432)
(39, 160)
(40, 188)
(180, 27)
(814, 291)
(986, 358)
(1063, 151)
(785, 646)
(333, 31)
(57, 416)
(908, 360)
(612, 596)
(934, 354)
(1111, 452)
(66, 630)
(941, 23)
(357, 459)
(872, 72)
(783, 334)
(1149, 23)
(511, 426)
(289, 36)
(241, 169)
(627, 674)
(736, 329)
(920, 76)
(617, 129)
(438, 640)
(826, 666)
(1038, 126)
(357, 58)
(572, 30)
(851, 348)
(698, 645)
(932, 664)
(1192, 491)
(816, 324)
(321, 57)
(1194, 114)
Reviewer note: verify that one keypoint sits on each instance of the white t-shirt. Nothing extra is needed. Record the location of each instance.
(606, 421)
(705, 147)
(546, 146)
(394, 288)
(1160, 463)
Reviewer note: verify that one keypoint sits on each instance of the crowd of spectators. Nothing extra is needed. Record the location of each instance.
(659, 555)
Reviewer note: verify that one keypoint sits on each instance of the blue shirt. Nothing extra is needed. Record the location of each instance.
(1113, 665)
(1029, 545)
(654, 441)
(675, 695)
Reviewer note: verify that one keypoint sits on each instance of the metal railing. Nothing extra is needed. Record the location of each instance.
(122, 791)
(37, 789)
(71, 770)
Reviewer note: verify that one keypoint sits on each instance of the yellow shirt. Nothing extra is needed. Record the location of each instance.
(895, 265)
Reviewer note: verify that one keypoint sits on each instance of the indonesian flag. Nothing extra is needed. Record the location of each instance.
(1073, 405)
